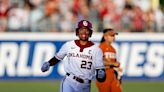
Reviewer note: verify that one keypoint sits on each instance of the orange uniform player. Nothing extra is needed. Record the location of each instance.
(112, 66)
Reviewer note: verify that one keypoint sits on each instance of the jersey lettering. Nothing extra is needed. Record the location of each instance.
(110, 55)
(86, 65)
(84, 56)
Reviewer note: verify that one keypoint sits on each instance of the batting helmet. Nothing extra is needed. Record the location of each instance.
(84, 23)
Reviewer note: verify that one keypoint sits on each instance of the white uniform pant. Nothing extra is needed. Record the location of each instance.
(71, 85)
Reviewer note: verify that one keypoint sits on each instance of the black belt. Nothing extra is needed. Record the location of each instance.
(78, 79)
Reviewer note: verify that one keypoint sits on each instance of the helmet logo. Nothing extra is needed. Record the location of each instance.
(85, 23)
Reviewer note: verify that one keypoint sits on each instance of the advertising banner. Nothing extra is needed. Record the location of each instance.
(22, 54)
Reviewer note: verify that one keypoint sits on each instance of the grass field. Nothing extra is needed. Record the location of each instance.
(54, 86)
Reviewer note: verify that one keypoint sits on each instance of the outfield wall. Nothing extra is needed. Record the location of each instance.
(22, 54)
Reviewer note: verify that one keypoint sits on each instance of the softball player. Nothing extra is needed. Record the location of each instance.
(113, 71)
(84, 61)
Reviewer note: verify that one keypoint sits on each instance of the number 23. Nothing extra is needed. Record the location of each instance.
(86, 65)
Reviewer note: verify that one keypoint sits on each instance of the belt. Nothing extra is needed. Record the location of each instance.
(79, 79)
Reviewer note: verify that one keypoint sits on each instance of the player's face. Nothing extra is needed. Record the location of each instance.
(84, 34)
(109, 37)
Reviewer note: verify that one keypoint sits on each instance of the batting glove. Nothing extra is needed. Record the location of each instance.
(45, 67)
(101, 73)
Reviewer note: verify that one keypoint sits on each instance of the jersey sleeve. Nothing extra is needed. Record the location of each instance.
(99, 59)
(62, 52)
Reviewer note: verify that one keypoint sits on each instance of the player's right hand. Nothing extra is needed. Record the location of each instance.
(45, 67)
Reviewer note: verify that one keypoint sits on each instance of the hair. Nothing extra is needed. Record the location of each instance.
(104, 31)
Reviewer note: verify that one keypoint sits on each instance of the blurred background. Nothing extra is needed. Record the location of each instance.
(62, 15)
(32, 31)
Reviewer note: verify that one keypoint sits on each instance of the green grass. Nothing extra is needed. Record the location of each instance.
(54, 86)
(143, 86)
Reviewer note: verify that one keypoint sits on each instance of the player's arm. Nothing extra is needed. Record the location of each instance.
(53, 61)
(59, 56)
(100, 69)
(100, 75)
(108, 62)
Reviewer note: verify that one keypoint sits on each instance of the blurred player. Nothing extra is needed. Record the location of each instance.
(84, 60)
(112, 66)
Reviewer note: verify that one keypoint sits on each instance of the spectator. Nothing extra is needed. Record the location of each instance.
(150, 21)
(50, 21)
(4, 8)
(19, 18)
(137, 20)
(61, 15)
(159, 20)
(66, 24)
(126, 19)
(36, 14)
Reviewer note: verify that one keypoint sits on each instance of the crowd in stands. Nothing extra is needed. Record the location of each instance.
(62, 15)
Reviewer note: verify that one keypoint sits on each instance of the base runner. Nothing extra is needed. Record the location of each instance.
(84, 61)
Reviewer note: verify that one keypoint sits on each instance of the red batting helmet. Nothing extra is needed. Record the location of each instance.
(84, 23)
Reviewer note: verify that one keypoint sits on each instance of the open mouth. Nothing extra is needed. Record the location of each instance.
(83, 35)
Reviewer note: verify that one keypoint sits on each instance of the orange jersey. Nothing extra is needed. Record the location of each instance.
(108, 51)
(111, 83)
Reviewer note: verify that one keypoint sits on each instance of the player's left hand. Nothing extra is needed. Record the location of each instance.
(119, 71)
(45, 67)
